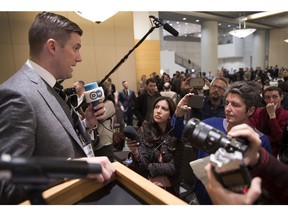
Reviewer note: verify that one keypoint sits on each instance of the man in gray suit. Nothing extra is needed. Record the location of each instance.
(34, 119)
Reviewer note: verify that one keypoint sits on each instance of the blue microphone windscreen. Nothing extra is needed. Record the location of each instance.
(91, 86)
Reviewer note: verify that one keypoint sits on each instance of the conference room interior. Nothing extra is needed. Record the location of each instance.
(105, 43)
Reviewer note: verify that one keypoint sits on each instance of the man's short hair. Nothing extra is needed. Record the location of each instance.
(246, 91)
(273, 88)
(150, 80)
(220, 78)
(50, 25)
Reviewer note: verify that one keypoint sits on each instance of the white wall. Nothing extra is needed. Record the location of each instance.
(188, 50)
(167, 59)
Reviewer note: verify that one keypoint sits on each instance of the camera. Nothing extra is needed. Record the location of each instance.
(70, 91)
(72, 95)
(197, 82)
(226, 154)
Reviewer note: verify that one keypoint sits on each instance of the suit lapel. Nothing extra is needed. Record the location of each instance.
(50, 96)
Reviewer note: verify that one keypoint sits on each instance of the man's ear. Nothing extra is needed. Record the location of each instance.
(251, 111)
(51, 45)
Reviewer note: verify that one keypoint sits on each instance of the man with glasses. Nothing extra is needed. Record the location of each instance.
(213, 105)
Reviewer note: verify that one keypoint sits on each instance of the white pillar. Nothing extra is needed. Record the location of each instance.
(209, 47)
(258, 51)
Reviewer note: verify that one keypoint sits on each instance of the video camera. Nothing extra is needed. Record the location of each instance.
(226, 154)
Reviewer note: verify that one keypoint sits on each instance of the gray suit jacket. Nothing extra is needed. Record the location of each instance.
(35, 120)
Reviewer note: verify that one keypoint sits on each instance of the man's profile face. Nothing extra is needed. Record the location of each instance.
(235, 109)
(68, 56)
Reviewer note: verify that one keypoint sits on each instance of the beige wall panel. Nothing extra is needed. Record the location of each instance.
(104, 33)
(19, 23)
(123, 25)
(278, 48)
(147, 58)
(106, 58)
(5, 31)
(6, 62)
(21, 54)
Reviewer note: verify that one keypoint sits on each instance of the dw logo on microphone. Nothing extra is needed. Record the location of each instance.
(94, 95)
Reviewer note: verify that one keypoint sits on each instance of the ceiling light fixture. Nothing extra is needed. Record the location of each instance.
(286, 40)
(96, 16)
(244, 32)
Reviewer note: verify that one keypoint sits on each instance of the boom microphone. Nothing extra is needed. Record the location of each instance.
(166, 26)
(93, 93)
(36, 169)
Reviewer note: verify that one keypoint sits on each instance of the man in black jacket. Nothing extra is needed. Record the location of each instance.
(144, 102)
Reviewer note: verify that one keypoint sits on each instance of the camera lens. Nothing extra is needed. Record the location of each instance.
(209, 139)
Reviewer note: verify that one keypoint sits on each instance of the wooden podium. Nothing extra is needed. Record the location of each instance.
(73, 191)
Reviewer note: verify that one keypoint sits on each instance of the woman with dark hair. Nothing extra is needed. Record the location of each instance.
(157, 152)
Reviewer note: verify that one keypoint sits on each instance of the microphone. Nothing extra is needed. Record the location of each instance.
(38, 169)
(166, 26)
(93, 93)
(130, 132)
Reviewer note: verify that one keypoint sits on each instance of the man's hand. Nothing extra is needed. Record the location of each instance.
(271, 110)
(94, 114)
(108, 170)
(182, 107)
(245, 131)
(221, 196)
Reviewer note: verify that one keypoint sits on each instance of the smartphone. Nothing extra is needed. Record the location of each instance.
(197, 82)
(196, 101)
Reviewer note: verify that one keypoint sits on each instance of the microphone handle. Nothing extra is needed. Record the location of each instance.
(53, 168)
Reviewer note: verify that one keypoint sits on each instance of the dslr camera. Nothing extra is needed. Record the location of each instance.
(226, 157)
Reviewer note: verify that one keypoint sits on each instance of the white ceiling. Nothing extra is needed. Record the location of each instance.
(189, 23)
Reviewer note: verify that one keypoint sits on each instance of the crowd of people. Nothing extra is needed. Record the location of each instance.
(38, 119)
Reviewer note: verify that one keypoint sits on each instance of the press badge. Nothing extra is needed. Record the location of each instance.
(88, 150)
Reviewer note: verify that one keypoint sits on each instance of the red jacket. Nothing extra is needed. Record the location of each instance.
(274, 175)
(273, 128)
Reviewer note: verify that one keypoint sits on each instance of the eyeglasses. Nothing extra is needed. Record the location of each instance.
(217, 87)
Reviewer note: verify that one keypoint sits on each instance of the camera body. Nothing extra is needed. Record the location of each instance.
(70, 91)
(226, 154)
(197, 82)
(230, 170)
